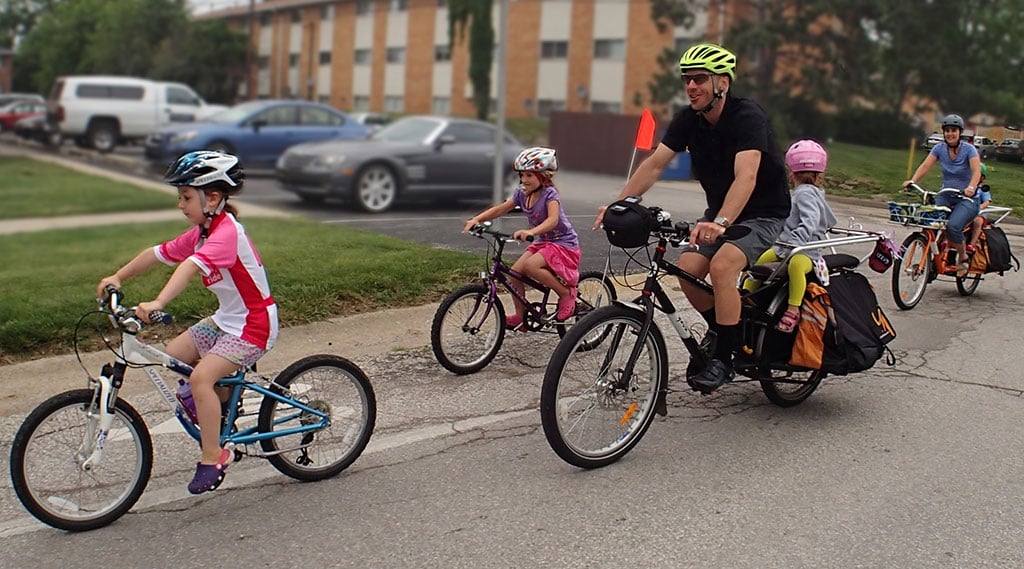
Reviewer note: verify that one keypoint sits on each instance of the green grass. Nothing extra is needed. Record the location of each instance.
(316, 271)
(31, 188)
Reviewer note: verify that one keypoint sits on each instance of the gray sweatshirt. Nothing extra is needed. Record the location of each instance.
(808, 220)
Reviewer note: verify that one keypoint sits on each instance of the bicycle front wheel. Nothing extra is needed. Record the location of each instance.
(54, 470)
(911, 272)
(331, 385)
(591, 411)
(467, 330)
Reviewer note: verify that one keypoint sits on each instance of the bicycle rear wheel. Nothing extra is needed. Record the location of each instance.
(332, 385)
(593, 291)
(787, 389)
(966, 285)
(911, 272)
(50, 451)
(591, 413)
(467, 330)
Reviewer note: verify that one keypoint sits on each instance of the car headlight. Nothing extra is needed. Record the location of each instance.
(182, 136)
(327, 162)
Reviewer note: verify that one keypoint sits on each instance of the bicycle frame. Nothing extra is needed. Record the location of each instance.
(501, 274)
(136, 352)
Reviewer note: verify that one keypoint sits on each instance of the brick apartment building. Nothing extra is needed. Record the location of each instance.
(394, 56)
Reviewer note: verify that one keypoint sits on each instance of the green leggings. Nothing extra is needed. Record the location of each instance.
(799, 266)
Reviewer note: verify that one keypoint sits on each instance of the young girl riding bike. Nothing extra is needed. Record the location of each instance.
(554, 258)
(245, 325)
(809, 219)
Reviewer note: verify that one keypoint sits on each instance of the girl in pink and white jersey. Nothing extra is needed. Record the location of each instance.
(217, 249)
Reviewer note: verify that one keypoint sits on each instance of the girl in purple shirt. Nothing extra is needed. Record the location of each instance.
(553, 259)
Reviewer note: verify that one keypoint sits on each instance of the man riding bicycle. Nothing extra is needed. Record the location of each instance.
(735, 159)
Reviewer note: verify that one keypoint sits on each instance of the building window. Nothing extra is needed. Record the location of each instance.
(325, 58)
(441, 105)
(327, 12)
(442, 3)
(265, 19)
(361, 103)
(296, 16)
(396, 55)
(364, 7)
(610, 49)
(442, 52)
(263, 62)
(293, 60)
(399, 5)
(545, 106)
(554, 49)
(605, 107)
(362, 56)
(394, 104)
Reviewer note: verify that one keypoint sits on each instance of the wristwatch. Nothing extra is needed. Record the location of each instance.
(722, 220)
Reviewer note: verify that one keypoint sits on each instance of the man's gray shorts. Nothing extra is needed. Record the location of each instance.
(764, 231)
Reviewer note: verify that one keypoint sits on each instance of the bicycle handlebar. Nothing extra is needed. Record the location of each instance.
(124, 317)
(927, 193)
(479, 229)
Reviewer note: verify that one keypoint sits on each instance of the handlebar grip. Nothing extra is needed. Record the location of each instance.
(531, 238)
(160, 317)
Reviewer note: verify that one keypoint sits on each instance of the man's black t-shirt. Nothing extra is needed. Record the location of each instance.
(742, 126)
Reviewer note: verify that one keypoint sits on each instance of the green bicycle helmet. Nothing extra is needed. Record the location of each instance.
(984, 171)
(714, 58)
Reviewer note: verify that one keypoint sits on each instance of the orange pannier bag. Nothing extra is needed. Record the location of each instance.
(815, 313)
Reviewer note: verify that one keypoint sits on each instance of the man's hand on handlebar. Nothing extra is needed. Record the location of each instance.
(706, 233)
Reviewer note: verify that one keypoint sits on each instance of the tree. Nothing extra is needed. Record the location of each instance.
(664, 88)
(208, 55)
(477, 15)
(18, 17)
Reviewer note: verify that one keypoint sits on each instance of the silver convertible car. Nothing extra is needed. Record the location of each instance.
(414, 157)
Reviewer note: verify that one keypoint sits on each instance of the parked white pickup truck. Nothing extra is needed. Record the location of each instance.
(100, 111)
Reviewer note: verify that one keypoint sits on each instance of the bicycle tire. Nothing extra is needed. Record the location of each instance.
(908, 286)
(594, 290)
(588, 422)
(328, 383)
(782, 387)
(966, 285)
(467, 331)
(46, 467)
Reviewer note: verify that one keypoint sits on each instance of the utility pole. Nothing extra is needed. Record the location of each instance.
(499, 137)
(250, 80)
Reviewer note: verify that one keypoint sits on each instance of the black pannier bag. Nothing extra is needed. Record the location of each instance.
(628, 224)
(857, 329)
(1000, 259)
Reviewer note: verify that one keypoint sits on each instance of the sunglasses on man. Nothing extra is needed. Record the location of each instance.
(697, 78)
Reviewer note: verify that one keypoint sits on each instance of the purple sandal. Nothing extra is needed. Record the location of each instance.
(209, 476)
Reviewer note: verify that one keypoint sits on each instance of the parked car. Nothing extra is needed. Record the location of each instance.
(933, 139)
(985, 145)
(415, 156)
(101, 111)
(373, 121)
(8, 98)
(36, 128)
(17, 110)
(1010, 149)
(257, 131)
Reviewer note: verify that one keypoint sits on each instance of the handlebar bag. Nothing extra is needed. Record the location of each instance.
(842, 328)
(628, 224)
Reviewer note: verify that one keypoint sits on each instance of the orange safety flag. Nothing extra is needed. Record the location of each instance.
(645, 134)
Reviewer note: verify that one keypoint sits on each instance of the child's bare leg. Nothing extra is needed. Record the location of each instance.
(976, 226)
(209, 369)
(184, 349)
(520, 266)
(537, 269)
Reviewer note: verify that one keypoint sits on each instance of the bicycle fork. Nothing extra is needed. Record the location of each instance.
(100, 415)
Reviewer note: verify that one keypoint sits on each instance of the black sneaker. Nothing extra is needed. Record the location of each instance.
(717, 374)
(707, 347)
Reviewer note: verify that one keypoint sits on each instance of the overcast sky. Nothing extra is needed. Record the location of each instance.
(200, 6)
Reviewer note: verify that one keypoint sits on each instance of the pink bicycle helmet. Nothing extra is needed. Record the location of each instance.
(806, 156)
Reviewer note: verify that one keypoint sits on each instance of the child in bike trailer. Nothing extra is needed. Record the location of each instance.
(216, 248)
(553, 259)
(985, 196)
(809, 219)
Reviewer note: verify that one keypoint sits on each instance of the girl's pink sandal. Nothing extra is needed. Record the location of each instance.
(789, 320)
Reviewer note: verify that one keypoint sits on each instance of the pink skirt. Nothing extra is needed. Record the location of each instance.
(562, 260)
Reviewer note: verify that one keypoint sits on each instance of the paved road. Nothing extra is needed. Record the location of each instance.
(914, 466)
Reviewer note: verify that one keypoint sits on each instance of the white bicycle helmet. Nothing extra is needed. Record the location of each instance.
(536, 159)
(203, 168)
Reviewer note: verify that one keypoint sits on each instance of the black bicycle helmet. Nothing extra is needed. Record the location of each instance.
(203, 168)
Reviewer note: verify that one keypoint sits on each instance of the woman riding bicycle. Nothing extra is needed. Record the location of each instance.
(961, 168)
(245, 325)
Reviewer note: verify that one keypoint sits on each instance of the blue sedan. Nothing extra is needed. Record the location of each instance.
(257, 132)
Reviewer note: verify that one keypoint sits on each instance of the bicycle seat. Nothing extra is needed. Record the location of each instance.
(833, 261)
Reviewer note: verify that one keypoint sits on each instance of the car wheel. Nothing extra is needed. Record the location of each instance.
(102, 136)
(375, 189)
